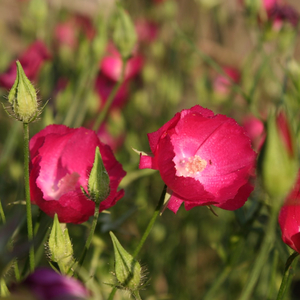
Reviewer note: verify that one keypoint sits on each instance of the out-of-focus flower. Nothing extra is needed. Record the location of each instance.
(289, 218)
(105, 85)
(255, 129)
(67, 33)
(147, 31)
(46, 284)
(204, 159)
(31, 60)
(222, 84)
(111, 64)
(61, 161)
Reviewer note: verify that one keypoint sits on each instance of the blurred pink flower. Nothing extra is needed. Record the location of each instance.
(147, 31)
(111, 64)
(256, 131)
(31, 60)
(106, 137)
(61, 161)
(222, 84)
(67, 33)
(105, 85)
(204, 159)
(289, 218)
(46, 284)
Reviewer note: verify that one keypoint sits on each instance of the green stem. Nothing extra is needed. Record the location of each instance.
(3, 219)
(91, 234)
(288, 273)
(27, 195)
(110, 98)
(151, 223)
(146, 233)
(262, 256)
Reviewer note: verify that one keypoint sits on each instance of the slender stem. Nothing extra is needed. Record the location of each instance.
(27, 194)
(112, 293)
(91, 234)
(151, 223)
(3, 219)
(146, 233)
(111, 97)
(262, 256)
(288, 273)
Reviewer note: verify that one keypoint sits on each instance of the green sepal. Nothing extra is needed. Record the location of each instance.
(98, 183)
(127, 269)
(60, 246)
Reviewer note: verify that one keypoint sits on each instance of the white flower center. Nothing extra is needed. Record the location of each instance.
(190, 167)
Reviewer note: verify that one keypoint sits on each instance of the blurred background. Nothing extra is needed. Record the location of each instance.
(237, 58)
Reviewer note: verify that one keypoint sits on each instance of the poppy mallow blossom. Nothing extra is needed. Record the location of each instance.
(61, 161)
(289, 218)
(203, 158)
(46, 284)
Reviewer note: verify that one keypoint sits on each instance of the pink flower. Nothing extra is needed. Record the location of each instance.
(61, 161)
(105, 85)
(222, 84)
(289, 218)
(256, 131)
(67, 33)
(31, 61)
(111, 64)
(204, 159)
(46, 284)
(146, 30)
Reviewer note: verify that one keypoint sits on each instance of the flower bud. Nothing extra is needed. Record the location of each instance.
(278, 161)
(127, 269)
(23, 98)
(124, 35)
(60, 247)
(98, 184)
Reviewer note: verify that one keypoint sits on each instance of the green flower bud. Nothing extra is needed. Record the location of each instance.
(23, 98)
(98, 184)
(60, 247)
(278, 159)
(124, 35)
(128, 270)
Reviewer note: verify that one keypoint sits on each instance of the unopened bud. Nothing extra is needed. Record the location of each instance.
(23, 98)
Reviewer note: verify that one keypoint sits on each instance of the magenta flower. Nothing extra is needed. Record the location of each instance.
(31, 61)
(111, 64)
(61, 161)
(46, 284)
(204, 159)
(289, 218)
(147, 31)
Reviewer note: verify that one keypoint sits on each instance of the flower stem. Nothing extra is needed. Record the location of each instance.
(27, 195)
(288, 273)
(110, 98)
(146, 233)
(151, 223)
(91, 234)
(262, 256)
(3, 219)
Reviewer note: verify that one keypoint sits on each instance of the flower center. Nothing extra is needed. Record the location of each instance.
(189, 167)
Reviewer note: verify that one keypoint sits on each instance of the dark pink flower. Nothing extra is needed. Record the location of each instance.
(256, 131)
(289, 218)
(46, 284)
(222, 84)
(105, 85)
(111, 64)
(61, 161)
(31, 60)
(204, 159)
